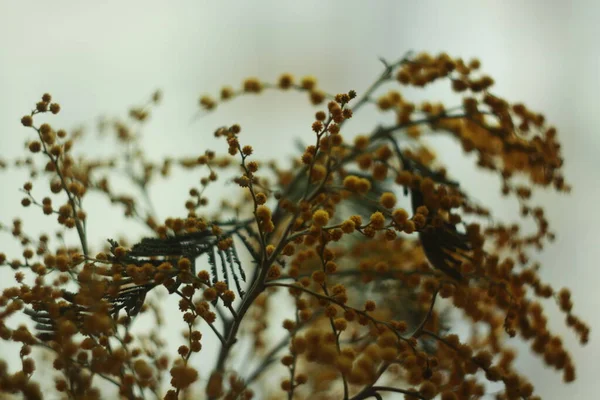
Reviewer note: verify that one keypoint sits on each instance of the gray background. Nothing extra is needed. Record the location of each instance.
(102, 58)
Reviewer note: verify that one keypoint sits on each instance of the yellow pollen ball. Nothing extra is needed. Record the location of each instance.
(388, 200)
(320, 218)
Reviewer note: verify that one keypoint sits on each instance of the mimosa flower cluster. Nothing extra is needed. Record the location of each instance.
(365, 234)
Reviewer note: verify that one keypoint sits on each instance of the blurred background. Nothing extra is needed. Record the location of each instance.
(100, 58)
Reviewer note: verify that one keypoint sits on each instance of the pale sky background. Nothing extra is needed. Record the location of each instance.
(102, 57)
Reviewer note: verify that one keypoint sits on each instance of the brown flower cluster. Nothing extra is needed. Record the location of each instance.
(365, 235)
